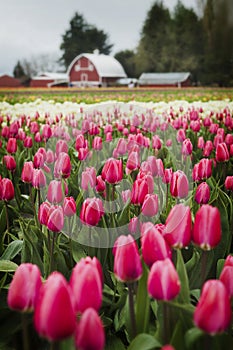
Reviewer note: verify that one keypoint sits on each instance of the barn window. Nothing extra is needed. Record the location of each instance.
(91, 67)
(77, 67)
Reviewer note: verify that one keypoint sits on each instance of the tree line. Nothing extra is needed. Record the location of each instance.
(181, 40)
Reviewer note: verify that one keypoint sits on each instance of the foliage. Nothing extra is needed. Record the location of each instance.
(127, 59)
(82, 37)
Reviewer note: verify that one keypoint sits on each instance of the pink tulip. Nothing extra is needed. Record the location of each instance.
(202, 194)
(46, 132)
(54, 316)
(150, 205)
(89, 334)
(134, 225)
(11, 146)
(61, 147)
(100, 184)
(229, 183)
(86, 292)
(163, 280)
(24, 288)
(207, 227)
(222, 153)
(213, 311)
(154, 246)
(133, 161)
(91, 212)
(127, 263)
(179, 186)
(69, 206)
(28, 143)
(177, 230)
(208, 148)
(55, 221)
(43, 213)
(7, 191)
(27, 172)
(97, 143)
(226, 278)
(88, 179)
(56, 192)
(80, 142)
(112, 171)
(187, 147)
(62, 166)
(9, 162)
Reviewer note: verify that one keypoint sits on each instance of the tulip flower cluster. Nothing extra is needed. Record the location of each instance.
(117, 221)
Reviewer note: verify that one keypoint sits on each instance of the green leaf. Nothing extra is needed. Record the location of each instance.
(3, 219)
(180, 267)
(142, 303)
(13, 249)
(192, 336)
(144, 342)
(7, 266)
(114, 343)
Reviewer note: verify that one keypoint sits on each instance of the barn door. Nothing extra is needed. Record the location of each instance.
(84, 78)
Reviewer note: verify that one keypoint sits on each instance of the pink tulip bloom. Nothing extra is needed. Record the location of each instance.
(213, 311)
(54, 316)
(92, 211)
(154, 246)
(24, 288)
(89, 333)
(207, 227)
(179, 186)
(222, 153)
(127, 263)
(112, 171)
(11, 146)
(150, 205)
(55, 221)
(7, 191)
(178, 226)
(86, 292)
(56, 192)
(202, 194)
(163, 280)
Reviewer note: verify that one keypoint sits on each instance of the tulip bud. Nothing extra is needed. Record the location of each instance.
(226, 278)
(88, 179)
(133, 161)
(38, 178)
(11, 146)
(141, 187)
(80, 142)
(54, 316)
(9, 162)
(46, 132)
(187, 147)
(179, 186)
(112, 171)
(91, 212)
(28, 142)
(62, 166)
(229, 183)
(61, 147)
(87, 292)
(154, 246)
(134, 225)
(202, 194)
(56, 192)
(43, 213)
(97, 143)
(150, 205)
(27, 172)
(55, 221)
(222, 153)
(89, 333)
(100, 184)
(177, 230)
(163, 280)
(207, 227)
(208, 148)
(213, 311)
(127, 263)
(24, 288)
(7, 191)
(69, 206)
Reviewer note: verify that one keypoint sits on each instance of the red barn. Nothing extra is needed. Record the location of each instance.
(93, 69)
(8, 81)
(49, 79)
(164, 79)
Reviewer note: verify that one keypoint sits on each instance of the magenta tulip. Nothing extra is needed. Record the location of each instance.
(54, 316)
(202, 194)
(213, 311)
(24, 288)
(55, 220)
(89, 334)
(229, 183)
(222, 153)
(112, 171)
(150, 205)
(69, 206)
(43, 213)
(91, 212)
(62, 166)
(86, 291)
(179, 186)
(178, 226)
(127, 263)
(9, 162)
(7, 191)
(163, 280)
(207, 227)
(27, 172)
(56, 192)
(11, 146)
(154, 246)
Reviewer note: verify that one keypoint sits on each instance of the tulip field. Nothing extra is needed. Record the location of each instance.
(116, 222)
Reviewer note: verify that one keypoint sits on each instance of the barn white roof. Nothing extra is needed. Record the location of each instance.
(163, 78)
(51, 75)
(106, 66)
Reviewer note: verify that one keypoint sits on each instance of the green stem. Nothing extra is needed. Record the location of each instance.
(131, 309)
(52, 252)
(26, 345)
(7, 217)
(204, 259)
(166, 323)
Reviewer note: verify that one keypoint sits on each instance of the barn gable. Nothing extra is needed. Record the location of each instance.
(95, 69)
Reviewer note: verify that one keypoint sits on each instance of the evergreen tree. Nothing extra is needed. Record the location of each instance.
(127, 59)
(82, 37)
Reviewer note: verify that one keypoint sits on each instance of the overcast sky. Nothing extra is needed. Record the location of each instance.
(33, 27)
